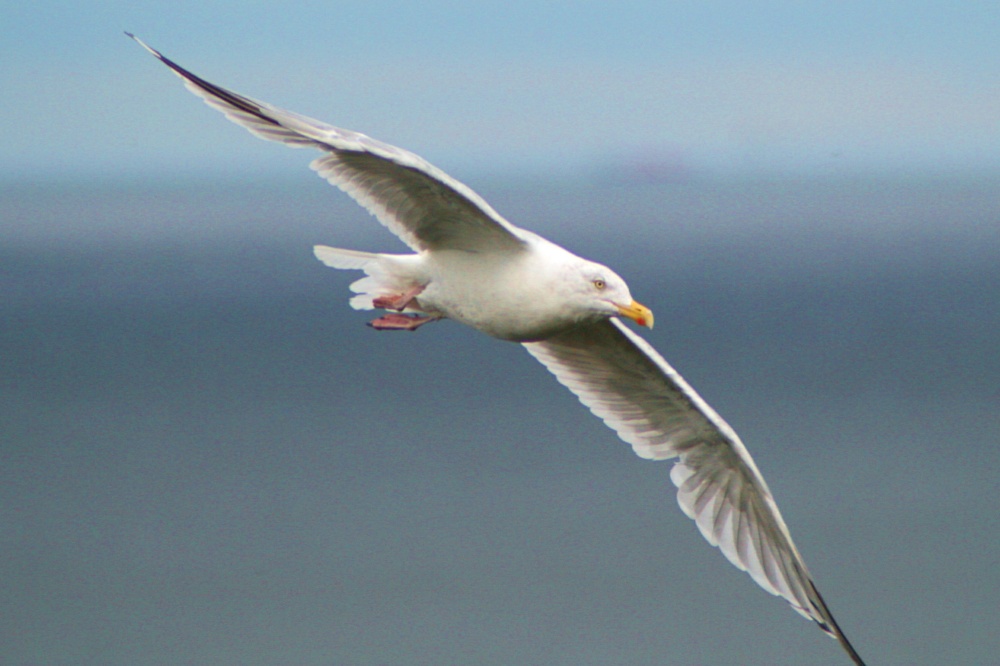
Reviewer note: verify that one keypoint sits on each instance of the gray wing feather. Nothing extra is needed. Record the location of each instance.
(417, 201)
(625, 382)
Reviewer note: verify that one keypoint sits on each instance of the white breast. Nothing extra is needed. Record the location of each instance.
(515, 296)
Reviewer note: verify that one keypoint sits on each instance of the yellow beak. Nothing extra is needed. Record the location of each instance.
(638, 313)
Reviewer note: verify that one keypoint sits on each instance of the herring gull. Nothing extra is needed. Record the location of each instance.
(473, 266)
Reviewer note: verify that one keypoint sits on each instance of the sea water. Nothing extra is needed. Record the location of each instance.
(207, 457)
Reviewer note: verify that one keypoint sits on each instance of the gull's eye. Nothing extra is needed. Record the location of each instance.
(599, 284)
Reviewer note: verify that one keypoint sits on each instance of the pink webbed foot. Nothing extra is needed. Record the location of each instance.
(398, 302)
(399, 322)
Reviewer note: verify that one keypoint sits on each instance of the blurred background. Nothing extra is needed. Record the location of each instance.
(206, 457)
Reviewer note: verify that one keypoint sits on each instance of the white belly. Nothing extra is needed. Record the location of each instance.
(504, 296)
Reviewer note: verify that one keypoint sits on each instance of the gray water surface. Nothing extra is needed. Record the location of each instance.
(207, 457)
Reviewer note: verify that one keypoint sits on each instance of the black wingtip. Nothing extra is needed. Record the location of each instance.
(145, 45)
(227, 96)
(833, 629)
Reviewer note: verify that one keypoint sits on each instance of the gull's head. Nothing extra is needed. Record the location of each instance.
(599, 290)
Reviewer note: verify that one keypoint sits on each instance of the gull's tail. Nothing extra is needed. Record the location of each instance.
(386, 274)
(347, 260)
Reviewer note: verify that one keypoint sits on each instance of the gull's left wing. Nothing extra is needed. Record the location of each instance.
(625, 382)
(424, 206)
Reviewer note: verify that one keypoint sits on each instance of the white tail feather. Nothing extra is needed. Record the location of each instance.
(385, 274)
(351, 260)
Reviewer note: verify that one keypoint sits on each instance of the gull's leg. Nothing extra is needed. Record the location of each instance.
(399, 322)
(399, 302)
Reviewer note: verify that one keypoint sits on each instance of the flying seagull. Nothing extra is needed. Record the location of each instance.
(473, 266)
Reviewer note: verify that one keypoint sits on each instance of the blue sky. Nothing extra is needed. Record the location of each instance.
(511, 87)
